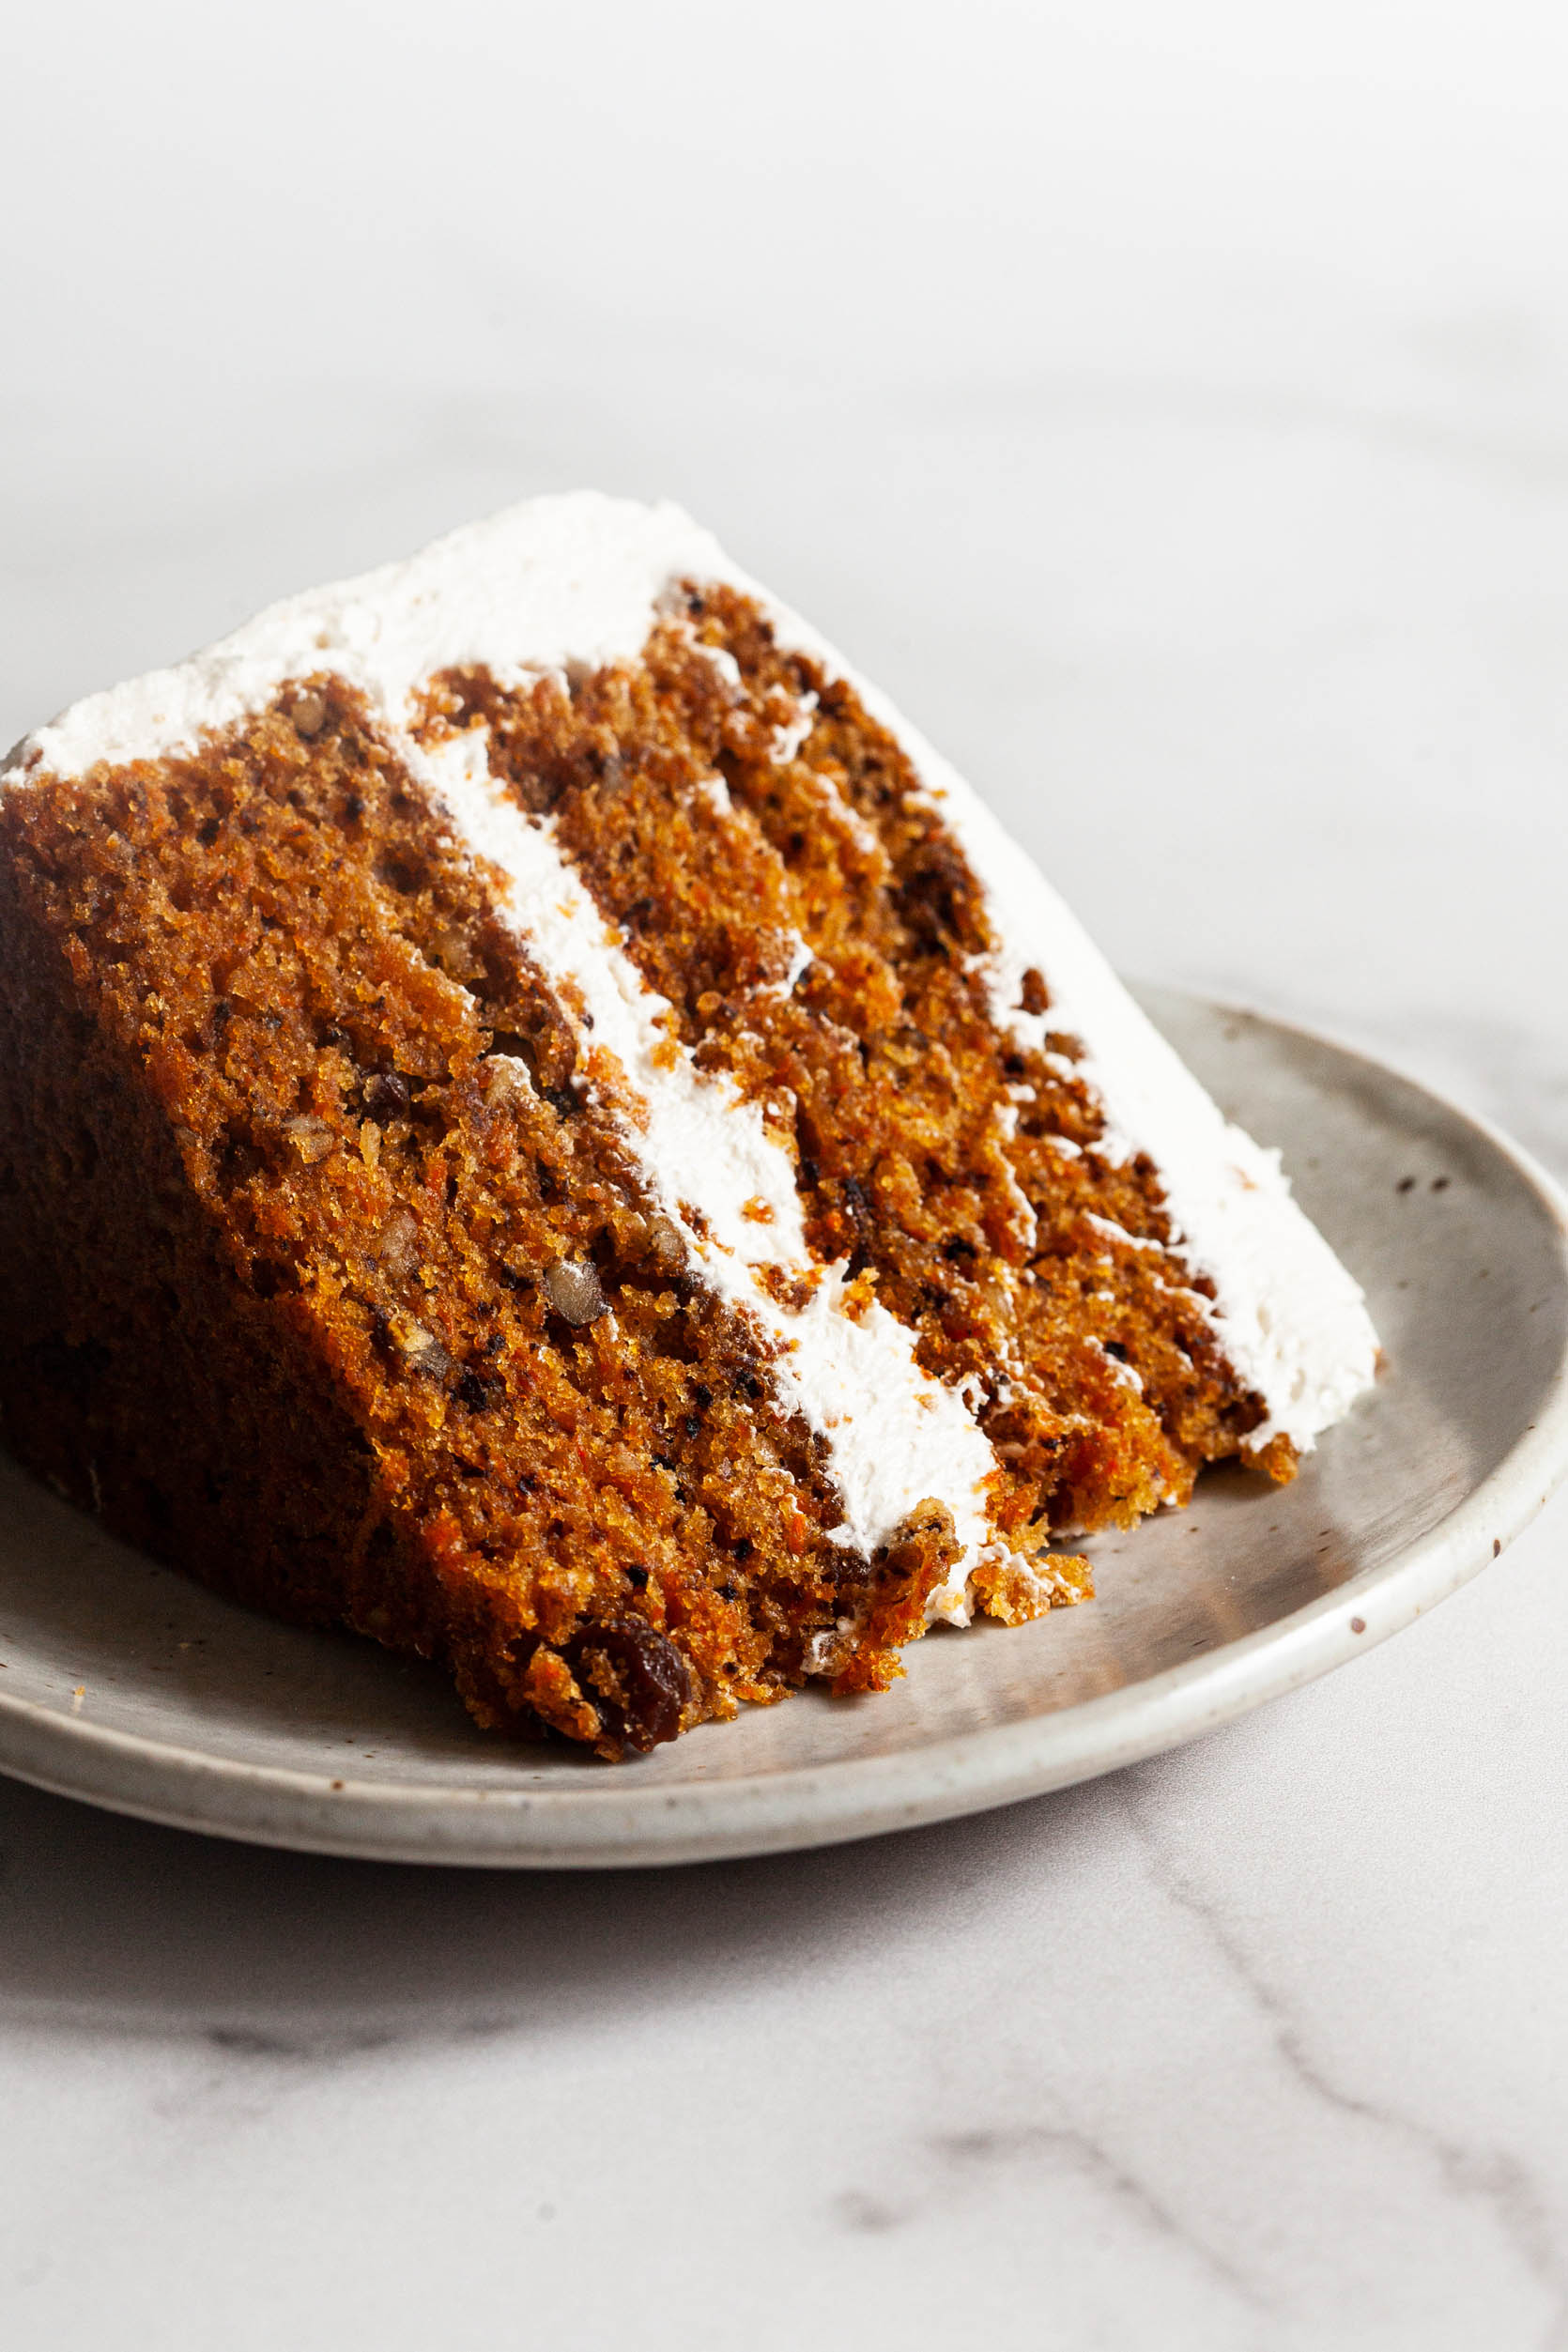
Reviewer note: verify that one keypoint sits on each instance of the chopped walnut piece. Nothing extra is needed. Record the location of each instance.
(507, 1080)
(665, 1245)
(398, 1249)
(312, 1139)
(421, 1350)
(573, 1288)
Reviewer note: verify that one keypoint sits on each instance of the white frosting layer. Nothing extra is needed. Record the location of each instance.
(573, 580)
(894, 1435)
(560, 580)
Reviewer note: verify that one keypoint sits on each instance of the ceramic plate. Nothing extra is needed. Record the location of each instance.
(126, 1685)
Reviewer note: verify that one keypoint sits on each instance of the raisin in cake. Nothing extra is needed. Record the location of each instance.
(540, 1121)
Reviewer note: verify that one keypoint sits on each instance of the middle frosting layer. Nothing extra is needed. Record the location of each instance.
(894, 1438)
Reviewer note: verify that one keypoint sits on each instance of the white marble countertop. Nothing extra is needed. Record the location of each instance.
(1169, 407)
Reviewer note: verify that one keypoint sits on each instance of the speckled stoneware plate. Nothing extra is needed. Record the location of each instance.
(124, 1684)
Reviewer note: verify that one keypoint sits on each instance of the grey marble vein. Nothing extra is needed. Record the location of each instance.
(1495, 2178)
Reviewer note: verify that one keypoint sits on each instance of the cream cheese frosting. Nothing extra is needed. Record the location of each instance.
(562, 582)
(893, 1436)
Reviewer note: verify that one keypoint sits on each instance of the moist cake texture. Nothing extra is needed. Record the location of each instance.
(541, 1122)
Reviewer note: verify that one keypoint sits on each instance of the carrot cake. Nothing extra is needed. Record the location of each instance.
(540, 1121)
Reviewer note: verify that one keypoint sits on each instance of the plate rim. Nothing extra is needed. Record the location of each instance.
(836, 1802)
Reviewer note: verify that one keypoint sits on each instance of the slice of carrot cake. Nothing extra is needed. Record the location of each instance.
(541, 1121)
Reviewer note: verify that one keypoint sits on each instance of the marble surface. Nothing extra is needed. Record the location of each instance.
(1168, 407)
